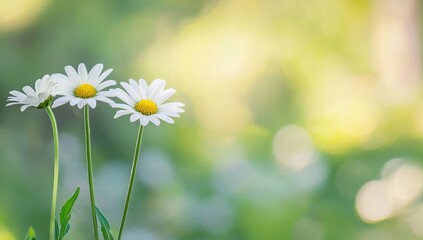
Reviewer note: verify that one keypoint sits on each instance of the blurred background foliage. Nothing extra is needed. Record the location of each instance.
(303, 118)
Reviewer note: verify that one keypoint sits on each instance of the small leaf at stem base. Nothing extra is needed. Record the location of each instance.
(31, 234)
(65, 215)
(105, 226)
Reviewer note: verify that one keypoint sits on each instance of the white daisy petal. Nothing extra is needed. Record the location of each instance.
(155, 87)
(74, 101)
(82, 72)
(130, 91)
(17, 93)
(82, 103)
(104, 99)
(123, 106)
(135, 88)
(173, 104)
(12, 103)
(91, 102)
(171, 109)
(72, 74)
(165, 118)
(119, 93)
(164, 95)
(59, 77)
(60, 101)
(24, 107)
(169, 113)
(63, 92)
(105, 84)
(143, 87)
(45, 84)
(103, 76)
(29, 91)
(134, 117)
(122, 113)
(144, 120)
(154, 120)
(42, 96)
(68, 83)
(106, 94)
(31, 100)
(37, 85)
(95, 72)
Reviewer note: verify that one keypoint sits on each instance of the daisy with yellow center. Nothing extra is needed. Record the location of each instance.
(81, 88)
(146, 102)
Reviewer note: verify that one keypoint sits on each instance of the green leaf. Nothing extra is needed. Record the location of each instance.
(105, 226)
(67, 228)
(31, 234)
(65, 214)
(105, 233)
(56, 230)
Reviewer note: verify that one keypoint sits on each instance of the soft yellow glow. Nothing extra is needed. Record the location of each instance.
(342, 112)
(5, 234)
(85, 90)
(293, 147)
(418, 120)
(374, 202)
(16, 14)
(214, 54)
(146, 107)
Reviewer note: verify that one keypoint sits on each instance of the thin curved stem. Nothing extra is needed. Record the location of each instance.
(131, 179)
(56, 171)
(90, 168)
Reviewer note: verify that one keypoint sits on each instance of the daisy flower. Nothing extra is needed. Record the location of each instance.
(42, 97)
(146, 102)
(82, 88)
(45, 90)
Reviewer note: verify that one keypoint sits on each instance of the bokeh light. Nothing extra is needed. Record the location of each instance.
(293, 147)
(400, 186)
(374, 202)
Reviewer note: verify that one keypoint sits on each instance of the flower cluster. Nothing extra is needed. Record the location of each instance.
(82, 88)
(78, 87)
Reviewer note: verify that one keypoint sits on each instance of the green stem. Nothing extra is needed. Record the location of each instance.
(56, 170)
(131, 179)
(90, 168)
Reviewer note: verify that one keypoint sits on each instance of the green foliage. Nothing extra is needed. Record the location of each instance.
(31, 234)
(65, 216)
(105, 226)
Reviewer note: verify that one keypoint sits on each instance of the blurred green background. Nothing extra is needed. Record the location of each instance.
(304, 118)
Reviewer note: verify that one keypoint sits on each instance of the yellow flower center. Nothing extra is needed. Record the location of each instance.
(85, 90)
(146, 107)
